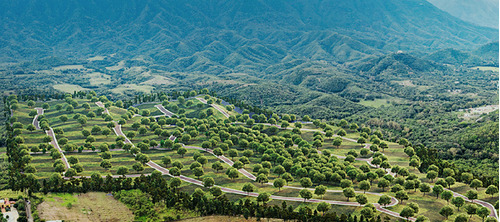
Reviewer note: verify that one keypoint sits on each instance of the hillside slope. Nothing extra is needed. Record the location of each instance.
(216, 36)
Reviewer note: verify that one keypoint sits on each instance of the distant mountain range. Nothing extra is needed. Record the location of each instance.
(479, 12)
(218, 36)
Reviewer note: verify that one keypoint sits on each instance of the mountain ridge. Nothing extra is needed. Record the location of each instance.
(211, 36)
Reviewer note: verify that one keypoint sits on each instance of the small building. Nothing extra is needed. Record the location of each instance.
(6, 204)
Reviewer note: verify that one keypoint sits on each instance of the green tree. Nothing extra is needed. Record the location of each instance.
(122, 171)
(491, 190)
(279, 183)
(198, 172)
(458, 202)
(232, 173)
(262, 178)
(337, 141)
(361, 199)
(263, 197)
(215, 191)
(306, 194)
(476, 183)
(138, 167)
(106, 155)
(471, 209)
(424, 188)
(323, 207)
(446, 211)
(217, 166)
(320, 190)
(450, 181)
(407, 212)
(383, 183)
(106, 164)
(166, 160)
(461, 218)
(364, 185)
(437, 190)
(349, 193)
(208, 182)
(305, 182)
(471, 195)
(279, 170)
(402, 195)
(70, 172)
(384, 200)
(181, 151)
(233, 153)
(447, 195)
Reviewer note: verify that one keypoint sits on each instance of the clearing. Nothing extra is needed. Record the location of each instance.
(157, 80)
(95, 206)
(486, 68)
(68, 88)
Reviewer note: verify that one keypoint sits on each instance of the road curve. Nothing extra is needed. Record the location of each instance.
(39, 112)
(102, 106)
(215, 107)
(164, 110)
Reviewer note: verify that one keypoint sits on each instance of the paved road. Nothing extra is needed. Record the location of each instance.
(165, 111)
(153, 165)
(215, 106)
(39, 112)
(118, 132)
(28, 211)
(50, 133)
(102, 106)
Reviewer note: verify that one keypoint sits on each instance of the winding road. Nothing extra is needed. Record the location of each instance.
(118, 132)
(252, 177)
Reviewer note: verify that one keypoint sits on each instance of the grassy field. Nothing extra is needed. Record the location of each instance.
(375, 103)
(486, 68)
(68, 88)
(97, 78)
(94, 206)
